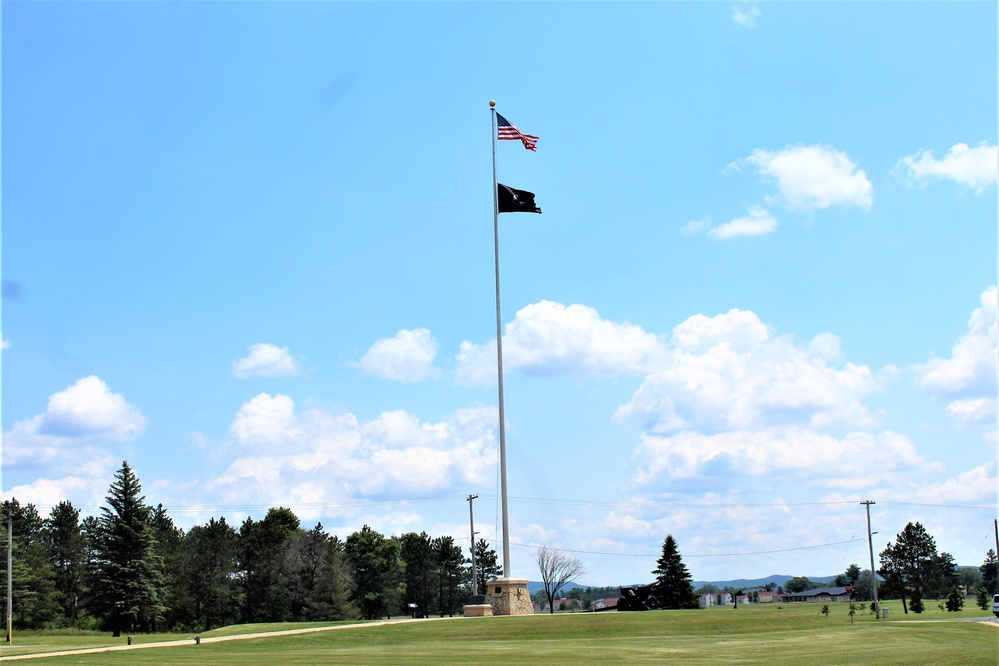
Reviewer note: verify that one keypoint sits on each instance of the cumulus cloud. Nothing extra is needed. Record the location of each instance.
(969, 376)
(729, 372)
(855, 461)
(975, 485)
(549, 339)
(72, 436)
(284, 455)
(407, 357)
(812, 177)
(89, 409)
(746, 14)
(977, 167)
(758, 223)
(695, 227)
(265, 360)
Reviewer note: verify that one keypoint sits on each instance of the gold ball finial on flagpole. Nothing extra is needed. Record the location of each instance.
(492, 102)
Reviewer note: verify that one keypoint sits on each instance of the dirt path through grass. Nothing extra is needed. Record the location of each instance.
(214, 639)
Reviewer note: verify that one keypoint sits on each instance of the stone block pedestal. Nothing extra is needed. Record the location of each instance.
(478, 610)
(509, 596)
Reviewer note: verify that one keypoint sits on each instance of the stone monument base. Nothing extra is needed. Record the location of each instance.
(478, 610)
(509, 596)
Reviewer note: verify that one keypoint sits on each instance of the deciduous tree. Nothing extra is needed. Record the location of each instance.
(557, 569)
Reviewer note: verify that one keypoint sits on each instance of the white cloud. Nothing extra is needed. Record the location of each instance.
(969, 376)
(265, 360)
(758, 223)
(89, 409)
(975, 485)
(695, 227)
(730, 373)
(4, 343)
(811, 177)
(73, 436)
(407, 357)
(977, 410)
(977, 167)
(860, 460)
(548, 339)
(745, 14)
(314, 456)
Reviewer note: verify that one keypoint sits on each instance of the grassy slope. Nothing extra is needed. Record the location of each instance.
(749, 635)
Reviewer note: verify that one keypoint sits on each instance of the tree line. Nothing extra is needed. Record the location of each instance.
(912, 570)
(131, 569)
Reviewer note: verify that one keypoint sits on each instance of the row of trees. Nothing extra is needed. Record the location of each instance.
(130, 569)
(913, 570)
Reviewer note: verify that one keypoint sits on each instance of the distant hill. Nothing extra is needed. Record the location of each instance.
(739, 583)
(748, 583)
(535, 585)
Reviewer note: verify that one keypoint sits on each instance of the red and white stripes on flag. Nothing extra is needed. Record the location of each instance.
(510, 132)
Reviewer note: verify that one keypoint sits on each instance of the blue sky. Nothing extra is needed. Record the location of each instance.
(248, 247)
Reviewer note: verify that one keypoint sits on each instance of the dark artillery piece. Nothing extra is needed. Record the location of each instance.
(638, 598)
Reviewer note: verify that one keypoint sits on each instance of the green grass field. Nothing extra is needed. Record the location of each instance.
(762, 634)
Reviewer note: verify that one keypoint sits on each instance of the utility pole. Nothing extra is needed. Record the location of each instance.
(10, 573)
(870, 547)
(471, 522)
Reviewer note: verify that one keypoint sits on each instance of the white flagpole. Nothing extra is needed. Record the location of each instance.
(499, 356)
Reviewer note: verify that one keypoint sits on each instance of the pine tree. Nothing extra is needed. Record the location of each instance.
(673, 587)
(35, 600)
(127, 580)
(990, 572)
(486, 564)
(451, 574)
(909, 565)
(377, 571)
(422, 573)
(263, 548)
(64, 542)
(210, 555)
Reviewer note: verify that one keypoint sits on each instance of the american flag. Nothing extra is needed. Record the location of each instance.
(508, 131)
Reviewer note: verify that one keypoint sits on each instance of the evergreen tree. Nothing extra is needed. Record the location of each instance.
(329, 599)
(127, 577)
(210, 552)
(267, 585)
(169, 548)
(673, 587)
(909, 565)
(955, 600)
(35, 600)
(486, 564)
(452, 574)
(990, 572)
(422, 571)
(66, 548)
(377, 571)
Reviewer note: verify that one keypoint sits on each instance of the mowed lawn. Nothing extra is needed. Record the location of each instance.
(762, 634)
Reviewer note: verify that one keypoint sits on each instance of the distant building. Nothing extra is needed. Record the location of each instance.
(606, 602)
(819, 594)
(769, 597)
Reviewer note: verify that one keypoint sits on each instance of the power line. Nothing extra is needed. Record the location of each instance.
(758, 552)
